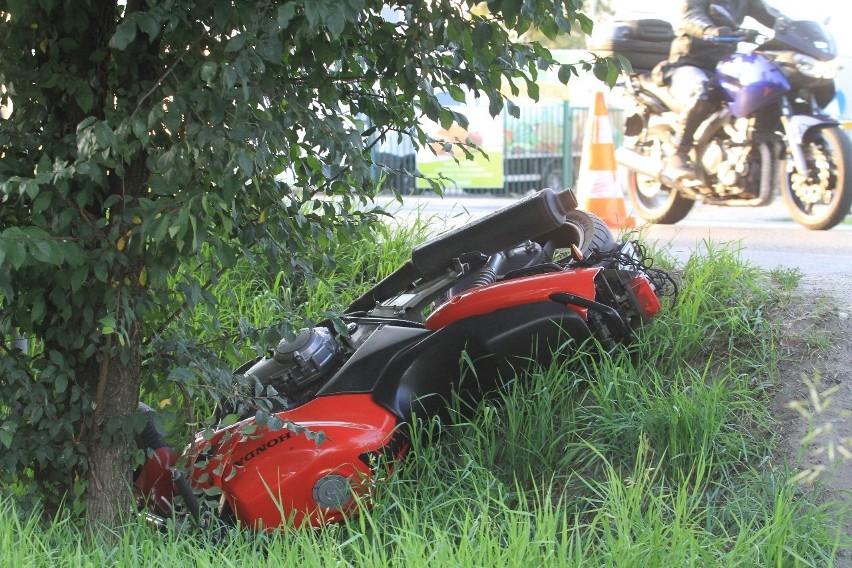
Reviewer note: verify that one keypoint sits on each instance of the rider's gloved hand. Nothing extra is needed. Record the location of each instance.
(747, 35)
(720, 31)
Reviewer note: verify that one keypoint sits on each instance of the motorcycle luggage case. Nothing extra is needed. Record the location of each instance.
(643, 42)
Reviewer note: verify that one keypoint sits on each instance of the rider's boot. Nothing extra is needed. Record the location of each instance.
(679, 165)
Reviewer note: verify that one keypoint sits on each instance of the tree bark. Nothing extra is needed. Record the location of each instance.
(111, 444)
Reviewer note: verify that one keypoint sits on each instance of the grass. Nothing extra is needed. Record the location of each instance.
(660, 454)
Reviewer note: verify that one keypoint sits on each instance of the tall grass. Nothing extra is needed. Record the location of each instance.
(660, 454)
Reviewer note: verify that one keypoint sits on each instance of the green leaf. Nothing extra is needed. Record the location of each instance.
(432, 109)
(7, 433)
(246, 164)
(236, 43)
(228, 420)
(513, 109)
(611, 74)
(15, 252)
(625, 63)
(533, 90)
(511, 9)
(124, 34)
(335, 21)
(586, 24)
(208, 71)
(100, 270)
(447, 119)
(46, 251)
(140, 129)
(600, 69)
(60, 383)
(42, 202)
(495, 104)
(85, 97)
(108, 324)
(457, 93)
(313, 14)
(564, 73)
(286, 13)
(78, 278)
(148, 24)
(230, 76)
(37, 310)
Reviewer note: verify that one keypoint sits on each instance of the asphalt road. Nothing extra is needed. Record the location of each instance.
(766, 236)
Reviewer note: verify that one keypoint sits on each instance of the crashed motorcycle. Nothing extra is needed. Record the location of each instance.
(531, 282)
(770, 131)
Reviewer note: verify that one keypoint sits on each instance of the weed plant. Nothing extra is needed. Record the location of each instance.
(658, 454)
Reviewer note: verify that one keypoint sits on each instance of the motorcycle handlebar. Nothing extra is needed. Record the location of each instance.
(737, 36)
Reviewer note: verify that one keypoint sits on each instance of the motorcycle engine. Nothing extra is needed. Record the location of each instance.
(730, 164)
(296, 364)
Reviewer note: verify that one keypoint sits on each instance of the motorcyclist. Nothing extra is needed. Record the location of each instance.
(692, 60)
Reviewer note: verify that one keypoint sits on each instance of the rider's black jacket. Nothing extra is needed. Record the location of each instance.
(689, 47)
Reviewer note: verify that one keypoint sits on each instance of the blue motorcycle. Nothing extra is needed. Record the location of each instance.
(770, 133)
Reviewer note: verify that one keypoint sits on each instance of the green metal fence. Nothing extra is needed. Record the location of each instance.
(542, 148)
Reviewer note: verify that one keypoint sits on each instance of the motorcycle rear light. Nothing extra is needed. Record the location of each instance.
(647, 300)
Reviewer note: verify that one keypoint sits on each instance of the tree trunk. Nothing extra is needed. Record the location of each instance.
(111, 444)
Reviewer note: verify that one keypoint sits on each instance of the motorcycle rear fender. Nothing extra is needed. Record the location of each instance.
(275, 477)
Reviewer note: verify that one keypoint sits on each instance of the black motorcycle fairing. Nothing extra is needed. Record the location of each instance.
(362, 371)
(418, 381)
(498, 345)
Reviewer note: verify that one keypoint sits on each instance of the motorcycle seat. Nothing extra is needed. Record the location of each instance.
(646, 83)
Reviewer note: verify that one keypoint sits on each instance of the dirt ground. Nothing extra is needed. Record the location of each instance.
(816, 377)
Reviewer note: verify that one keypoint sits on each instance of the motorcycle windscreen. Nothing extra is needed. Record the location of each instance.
(750, 81)
(805, 37)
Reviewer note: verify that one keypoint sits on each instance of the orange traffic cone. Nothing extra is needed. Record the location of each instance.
(597, 190)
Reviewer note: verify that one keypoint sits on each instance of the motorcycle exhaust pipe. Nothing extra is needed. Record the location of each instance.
(521, 221)
(643, 165)
(652, 168)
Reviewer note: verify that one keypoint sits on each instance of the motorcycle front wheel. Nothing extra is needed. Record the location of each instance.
(823, 199)
(652, 200)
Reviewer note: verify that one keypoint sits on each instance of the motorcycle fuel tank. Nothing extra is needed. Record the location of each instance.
(750, 81)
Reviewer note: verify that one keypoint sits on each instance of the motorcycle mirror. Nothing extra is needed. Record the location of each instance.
(722, 17)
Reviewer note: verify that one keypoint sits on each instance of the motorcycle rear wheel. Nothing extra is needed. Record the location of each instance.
(825, 198)
(652, 200)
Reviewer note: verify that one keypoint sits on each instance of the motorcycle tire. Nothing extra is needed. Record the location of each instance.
(822, 201)
(652, 200)
(596, 236)
(582, 229)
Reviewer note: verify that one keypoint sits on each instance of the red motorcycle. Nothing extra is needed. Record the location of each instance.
(530, 282)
